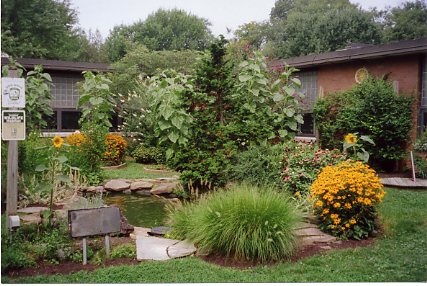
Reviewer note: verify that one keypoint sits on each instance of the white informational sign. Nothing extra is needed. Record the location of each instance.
(13, 92)
(13, 125)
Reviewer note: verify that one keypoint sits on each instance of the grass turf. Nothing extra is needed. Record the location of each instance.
(400, 255)
(134, 170)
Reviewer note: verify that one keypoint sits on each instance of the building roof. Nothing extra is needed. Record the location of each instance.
(54, 65)
(356, 52)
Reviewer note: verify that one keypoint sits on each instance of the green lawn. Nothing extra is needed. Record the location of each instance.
(134, 170)
(399, 256)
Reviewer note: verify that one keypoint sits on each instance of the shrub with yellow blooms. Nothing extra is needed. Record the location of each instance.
(115, 148)
(345, 197)
(75, 139)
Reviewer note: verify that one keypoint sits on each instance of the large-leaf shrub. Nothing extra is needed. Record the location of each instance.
(245, 222)
(221, 110)
(371, 108)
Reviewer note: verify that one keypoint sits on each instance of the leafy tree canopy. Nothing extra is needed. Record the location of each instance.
(302, 27)
(163, 30)
(405, 22)
(46, 29)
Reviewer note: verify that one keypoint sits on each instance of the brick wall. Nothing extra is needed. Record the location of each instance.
(406, 70)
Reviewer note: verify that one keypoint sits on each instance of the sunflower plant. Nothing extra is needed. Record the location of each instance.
(355, 143)
(55, 170)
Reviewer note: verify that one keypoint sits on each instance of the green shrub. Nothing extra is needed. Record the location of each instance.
(245, 222)
(259, 165)
(199, 166)
(421, 144)
(32, 153)
(302, 162)
(420, 167)
(34, 243)
(148, 155)
(373, 109)
(127, 250)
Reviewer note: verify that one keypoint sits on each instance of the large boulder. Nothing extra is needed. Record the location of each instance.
(165, 188)
(140, 185)
(117, 185)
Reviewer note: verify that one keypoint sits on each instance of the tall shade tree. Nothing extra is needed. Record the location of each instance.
(163, 30)
(39, 28)
(319, 26)
(405, 22)
(253, 34)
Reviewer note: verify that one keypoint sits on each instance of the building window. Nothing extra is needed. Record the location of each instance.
(309, 89)
(70, 120)
(65, 92)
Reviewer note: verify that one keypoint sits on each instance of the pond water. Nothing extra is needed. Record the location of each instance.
(139, 210)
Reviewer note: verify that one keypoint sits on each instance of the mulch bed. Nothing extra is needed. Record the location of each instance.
(306, 251)
(70, 267)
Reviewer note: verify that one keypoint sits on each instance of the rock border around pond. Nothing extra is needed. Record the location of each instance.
(159, 186)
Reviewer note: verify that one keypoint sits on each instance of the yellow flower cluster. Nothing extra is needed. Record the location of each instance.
(345, 194)
(75, 139)
(116, 147)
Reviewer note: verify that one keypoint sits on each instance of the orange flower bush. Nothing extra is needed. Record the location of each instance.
(75, 139)
(115, 148)
(345, 197)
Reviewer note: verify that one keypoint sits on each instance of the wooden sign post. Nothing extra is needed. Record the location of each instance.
(13, 96)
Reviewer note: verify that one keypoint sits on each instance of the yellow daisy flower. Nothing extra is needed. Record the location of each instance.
(57, 141)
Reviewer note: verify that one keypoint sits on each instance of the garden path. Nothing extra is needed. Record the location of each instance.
(158, 248)
(404, 182)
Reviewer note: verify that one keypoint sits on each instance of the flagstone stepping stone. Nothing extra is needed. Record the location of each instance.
(32, 210)
(153, 248)
(117, 185)
(305, 225)
(181, 249)
(310, 231)
(310, 240)
(159, 230)
(139, 185)
(165, 188)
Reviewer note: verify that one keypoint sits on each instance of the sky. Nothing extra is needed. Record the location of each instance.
(222, 14)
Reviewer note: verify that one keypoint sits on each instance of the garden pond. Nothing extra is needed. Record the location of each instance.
(140, 210)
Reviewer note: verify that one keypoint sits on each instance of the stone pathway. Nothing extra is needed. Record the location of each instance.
(404, 182)
(159, 248)
(310, 234)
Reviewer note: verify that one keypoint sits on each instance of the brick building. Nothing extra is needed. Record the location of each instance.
(404, 63)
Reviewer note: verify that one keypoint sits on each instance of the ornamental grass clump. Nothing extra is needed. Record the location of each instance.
(244, 222)
(345, 197)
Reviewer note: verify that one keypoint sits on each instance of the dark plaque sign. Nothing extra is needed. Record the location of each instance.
(99, 221)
